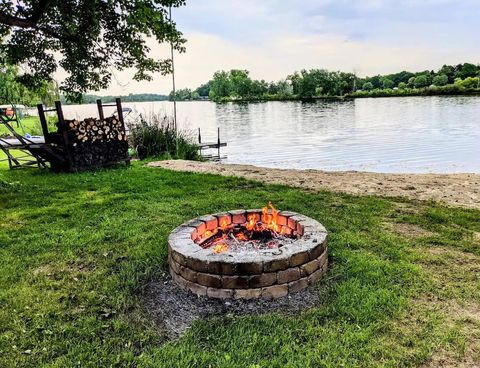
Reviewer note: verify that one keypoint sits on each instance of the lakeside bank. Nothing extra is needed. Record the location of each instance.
(461, 190)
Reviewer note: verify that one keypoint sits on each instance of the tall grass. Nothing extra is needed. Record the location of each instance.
(155, 137)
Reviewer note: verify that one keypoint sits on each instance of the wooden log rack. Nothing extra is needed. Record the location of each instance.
(66, 152)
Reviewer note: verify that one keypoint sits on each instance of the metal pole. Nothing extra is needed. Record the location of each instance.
(174, 90)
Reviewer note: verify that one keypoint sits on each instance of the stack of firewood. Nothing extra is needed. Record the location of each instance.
(95, 130)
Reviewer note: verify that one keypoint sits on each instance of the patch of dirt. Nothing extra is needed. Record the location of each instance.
(452, 189)
(454, 256)
(455, 272)
(469, 316)
(410, 230)
(476, 236)
(174, 310)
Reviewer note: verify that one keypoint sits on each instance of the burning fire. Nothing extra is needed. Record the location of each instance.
(270, 219)
(223, 224)
(254, 233)
(220, 248)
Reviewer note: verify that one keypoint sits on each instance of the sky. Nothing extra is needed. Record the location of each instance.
(274, 38)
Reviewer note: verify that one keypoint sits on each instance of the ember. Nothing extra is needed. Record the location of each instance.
(260, 231)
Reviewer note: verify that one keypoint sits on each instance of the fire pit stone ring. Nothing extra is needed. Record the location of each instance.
(248, 274)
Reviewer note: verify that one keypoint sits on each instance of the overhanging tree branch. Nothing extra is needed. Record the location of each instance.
(31, 21)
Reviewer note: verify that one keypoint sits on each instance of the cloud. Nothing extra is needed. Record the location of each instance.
(208, 53)
(273, 38)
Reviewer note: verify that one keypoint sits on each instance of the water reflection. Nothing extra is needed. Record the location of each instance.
(417, 134)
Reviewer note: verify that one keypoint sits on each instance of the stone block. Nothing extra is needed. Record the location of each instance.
(188, 274)
(299, 229)
(288, 275)
(197, 264)
(317, 275)
(274, 292)
(275, 265)
(298, 259)
(310, 267)
(247, 294)
(178, 257)
(262, 280)
(224, 219)
(323, 259)
(234, 282)
(292, 224)
(238, 217)
(195, 288)
(220, 293)
(211, 222)
(282, 220)
(298, 285)
(249, 268)
(206, 279)
(175, 266)
(317, 251)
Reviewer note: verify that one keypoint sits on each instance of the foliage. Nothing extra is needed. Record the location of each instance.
(236, 85)
(421, 81)
(156, 138)
(368, 86)
(185, 94)
(387, 83)
(12, 91)
(78, 250)
(469, 83)
(440, 80)
(137, 97)
(92, 37)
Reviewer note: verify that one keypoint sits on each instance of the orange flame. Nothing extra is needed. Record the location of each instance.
(251, 222)
(223, 224)
(270, 217)
(220, 248)
(242, 237)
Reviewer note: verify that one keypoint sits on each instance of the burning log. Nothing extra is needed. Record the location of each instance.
(258, 232)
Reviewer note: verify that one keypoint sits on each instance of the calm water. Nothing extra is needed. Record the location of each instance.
(417, 134)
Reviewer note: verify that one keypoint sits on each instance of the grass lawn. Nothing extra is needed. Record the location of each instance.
(30, 125)
(76, 251)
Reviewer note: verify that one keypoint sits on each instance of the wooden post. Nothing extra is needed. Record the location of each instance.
(199, 136)
(218, 142)
(63, 132)
(118, 101)
(43, 122)
(100, 110)
(120, 111)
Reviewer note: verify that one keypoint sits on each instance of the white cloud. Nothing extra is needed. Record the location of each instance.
(208, 53)
(273, 38)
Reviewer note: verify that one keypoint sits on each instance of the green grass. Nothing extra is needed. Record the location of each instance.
(77, 250)
(29, 124)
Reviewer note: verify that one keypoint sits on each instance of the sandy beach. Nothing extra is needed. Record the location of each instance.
(461, 190)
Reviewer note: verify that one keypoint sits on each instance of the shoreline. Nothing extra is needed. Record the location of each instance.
(457, 190)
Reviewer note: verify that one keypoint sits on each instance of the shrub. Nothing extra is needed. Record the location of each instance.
(156, 137)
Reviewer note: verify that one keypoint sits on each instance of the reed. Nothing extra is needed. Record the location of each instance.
(155, 137)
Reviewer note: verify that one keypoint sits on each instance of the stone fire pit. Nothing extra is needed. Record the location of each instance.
(290, 259)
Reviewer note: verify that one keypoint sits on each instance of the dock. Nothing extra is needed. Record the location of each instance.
(211, 145)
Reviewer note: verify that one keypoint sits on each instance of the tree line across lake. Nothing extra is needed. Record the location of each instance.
(237, 85)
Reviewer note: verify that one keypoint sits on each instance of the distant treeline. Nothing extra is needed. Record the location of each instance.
(140, 97)
(236, 85)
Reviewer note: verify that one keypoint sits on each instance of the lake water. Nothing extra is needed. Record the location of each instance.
(409, 134)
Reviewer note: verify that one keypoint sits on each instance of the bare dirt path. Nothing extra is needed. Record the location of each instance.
(461, 190)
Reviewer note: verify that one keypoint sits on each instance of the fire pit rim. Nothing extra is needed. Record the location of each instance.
(181, 241)
(248, 274)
